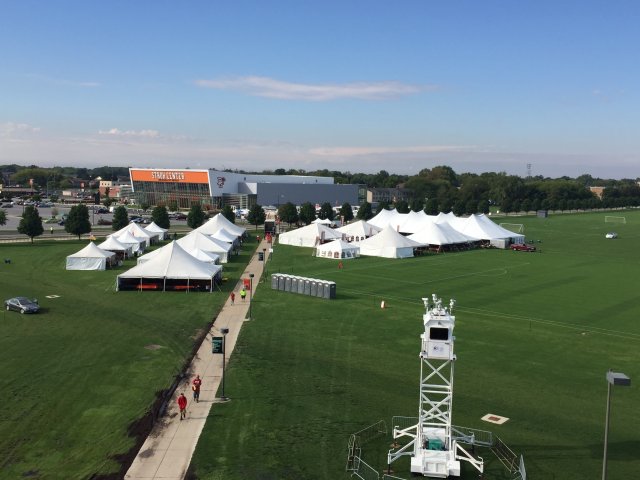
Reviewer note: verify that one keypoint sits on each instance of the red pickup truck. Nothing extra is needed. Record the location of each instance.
(523, 247)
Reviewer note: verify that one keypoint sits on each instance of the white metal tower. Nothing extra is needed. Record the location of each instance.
(434, 452)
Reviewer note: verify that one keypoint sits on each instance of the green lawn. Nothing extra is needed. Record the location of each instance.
(76, 377)
(535, 335)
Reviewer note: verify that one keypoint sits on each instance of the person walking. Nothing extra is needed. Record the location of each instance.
(243, 294)
(182, 404)
(233, 298)
(196, 388)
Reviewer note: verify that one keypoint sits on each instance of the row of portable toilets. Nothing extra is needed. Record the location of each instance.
(303, 286)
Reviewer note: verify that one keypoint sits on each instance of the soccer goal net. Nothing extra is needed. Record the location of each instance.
(612, 219)
(513, 227)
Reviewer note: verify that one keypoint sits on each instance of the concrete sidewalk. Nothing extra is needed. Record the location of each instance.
(167, 452)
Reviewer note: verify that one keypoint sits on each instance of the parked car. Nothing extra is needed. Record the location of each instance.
(523, 247)
(22, 305)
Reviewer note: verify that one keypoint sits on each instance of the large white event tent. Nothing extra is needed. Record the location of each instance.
(322, 221)
(172, 269)
(216, 223)
(205, 243)
(308, 236)
(224, 236)
(112, 244)
(389, 244)
(356, 231)
(154, 228)
(127, 239)
(90, 258)
(194, 252)
(441, 234)
(337, 249)
(385, 217)
(480, 226)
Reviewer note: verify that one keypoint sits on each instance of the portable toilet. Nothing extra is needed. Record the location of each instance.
(294, 284)
(332, 290)
(287, 283)
(301, 281)
(313, 288)
(307, 286)
(320, 292)
(274, 281)
(282, 281)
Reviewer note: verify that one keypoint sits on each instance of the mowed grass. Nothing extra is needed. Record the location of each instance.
(77, 376)
(535, 335)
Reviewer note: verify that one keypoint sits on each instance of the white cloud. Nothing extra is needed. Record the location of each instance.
(16, 130)
(363, 151)
(116, 132)
(272, 88)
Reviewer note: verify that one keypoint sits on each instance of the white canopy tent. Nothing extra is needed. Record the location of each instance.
(89, 258)
(441, 234)
(415, 221)
(205, 243)
(136, 244)
(386, 217)
(140, 233)
(172, 269)
(337, 249)
(220, 221)
(309, 236)
(224, 236)
(356, 231)
(480, 226)
(153, 228)
(112, 244)
(195, 252)
(322, 221)
(388, 244)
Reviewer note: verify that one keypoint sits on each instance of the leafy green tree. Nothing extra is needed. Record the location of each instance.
(228, 213)
(307, 213)
(256, 215)
(417, 204)
(120, 218)
(346, 212)
(483, 206)
(365, 212)
(402, 206)
(288, 213)
(195, 217)
(3, 217)
(77, 221)
(160, 216)
(144, 206)
(326, 212)
(31, 223)
(383, 205)
(431, 207)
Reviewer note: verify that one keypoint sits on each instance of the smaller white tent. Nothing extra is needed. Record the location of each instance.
(89, 258)
(388, 244)
(356, 231)
(308, 236)
(205, 243)
(153, 228)
(112, 244)
(337, 249)
(138, 232)
(220, 221)
(224, 236)
(136, 244)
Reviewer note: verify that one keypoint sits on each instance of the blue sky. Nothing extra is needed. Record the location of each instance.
(355, 86)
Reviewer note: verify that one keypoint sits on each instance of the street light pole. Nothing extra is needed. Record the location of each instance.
(224, 332)
(250, 294)
(619, 379)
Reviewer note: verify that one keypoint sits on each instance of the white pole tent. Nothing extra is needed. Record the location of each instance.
(224, 236)
(205, 243)
(138, 232)
(89, 258)
(441, 235)
(337, 249)
(154, 228)
(480, 226)
(388, 244)
(112, 244)
(415, 221)
(356, 231)
(220, 221)
(388, 217)
(309, 235)
(172, 269)
(126, 238)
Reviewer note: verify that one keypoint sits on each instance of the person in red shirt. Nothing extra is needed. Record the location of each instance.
(196, 388)
(233, 298)
(182, 403)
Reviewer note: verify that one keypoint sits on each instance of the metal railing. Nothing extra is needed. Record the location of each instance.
(472, 436)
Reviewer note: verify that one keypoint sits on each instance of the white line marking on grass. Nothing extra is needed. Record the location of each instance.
(570, 326)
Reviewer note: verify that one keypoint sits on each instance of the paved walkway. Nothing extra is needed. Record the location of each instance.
(167, 452)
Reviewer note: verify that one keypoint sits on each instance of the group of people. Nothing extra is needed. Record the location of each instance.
(182, 399)
(243, 295)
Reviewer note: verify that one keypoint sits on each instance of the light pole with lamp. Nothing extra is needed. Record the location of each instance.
(620, 380)
(251, 275)
(224, 332)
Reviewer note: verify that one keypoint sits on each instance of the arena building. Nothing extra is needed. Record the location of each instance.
(214, 189)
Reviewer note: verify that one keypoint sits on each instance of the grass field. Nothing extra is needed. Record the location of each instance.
(76, 377)
(535, 335)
